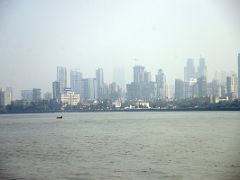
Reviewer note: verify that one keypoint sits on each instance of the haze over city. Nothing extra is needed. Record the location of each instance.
(38, 36)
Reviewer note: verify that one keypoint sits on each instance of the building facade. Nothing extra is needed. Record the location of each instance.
(27, 95)
(89, 89)
(202, 68)
(100, 83)
(36, 94)
(75, 80)
(70, 98)
(232, 86)
(238, 75)
(202, 86)
(62, 77)
(179, 89)
(161, 84)
(189, 70)
(138, 74)
(56, 90)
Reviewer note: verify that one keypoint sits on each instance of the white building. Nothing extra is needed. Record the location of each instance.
(232, 89)
(69, 98)
(5, 96)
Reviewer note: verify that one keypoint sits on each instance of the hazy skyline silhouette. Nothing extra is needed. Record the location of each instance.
(38, 36)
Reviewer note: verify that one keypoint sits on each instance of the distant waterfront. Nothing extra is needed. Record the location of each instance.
(106, 106)
(120, 145)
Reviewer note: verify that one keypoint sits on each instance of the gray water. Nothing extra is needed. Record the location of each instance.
(122, 145)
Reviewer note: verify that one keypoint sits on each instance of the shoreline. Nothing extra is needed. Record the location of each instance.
(130, 110)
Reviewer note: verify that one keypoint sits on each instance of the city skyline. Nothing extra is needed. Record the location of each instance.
(71, 78)
(112, 34)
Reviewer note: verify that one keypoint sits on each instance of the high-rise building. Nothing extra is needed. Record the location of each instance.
(89, 89)
(202, 68)
(8, 96)
(189, 70)
(56, 90)
(100, 83)
(37, 96)
(2, 97)
(27, 95)
(161, 84)
(147, 77)
(119, 77)
(190, 88)
(62, 77)
(232, 86)
(114, 91)
(134, 91)
(202, 86)
(141, 87)
(216, 89)
(239, 75)
(138, 74)
(75, 80)
(179, 89)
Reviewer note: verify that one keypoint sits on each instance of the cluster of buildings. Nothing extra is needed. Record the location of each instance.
(83, 89)
(143, 89)
(195, 83)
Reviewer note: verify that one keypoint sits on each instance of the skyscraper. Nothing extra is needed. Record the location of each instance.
(238, 75)
(75, 80)
(161, 84)
(190, 88)
(5, 96)
(56, 89)
(100, 82)
(62, 77)
(232, 86)
(216, 88)
(89, 89)
(141, 87)
(8, 95)
(179, 89)
(189, 70)
(2, 99)
(147, 77)
(37, 96)
(138, 74)
(202, 86)
(119, 77)
(202, 68)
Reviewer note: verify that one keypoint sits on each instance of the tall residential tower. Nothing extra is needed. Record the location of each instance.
(238, 74)
(75, 80)
(202, 68)
(189, 70)
(100, 83)
(62, 77)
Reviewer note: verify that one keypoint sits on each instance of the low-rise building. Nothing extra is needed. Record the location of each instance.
(69, 98)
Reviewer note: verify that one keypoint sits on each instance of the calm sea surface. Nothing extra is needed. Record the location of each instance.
(121, 145)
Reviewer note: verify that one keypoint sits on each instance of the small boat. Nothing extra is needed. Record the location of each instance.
(59, 117)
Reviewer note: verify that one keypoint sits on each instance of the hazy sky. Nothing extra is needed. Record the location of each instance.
(37, 36)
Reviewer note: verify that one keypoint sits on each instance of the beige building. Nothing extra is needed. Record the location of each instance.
(70, 98)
